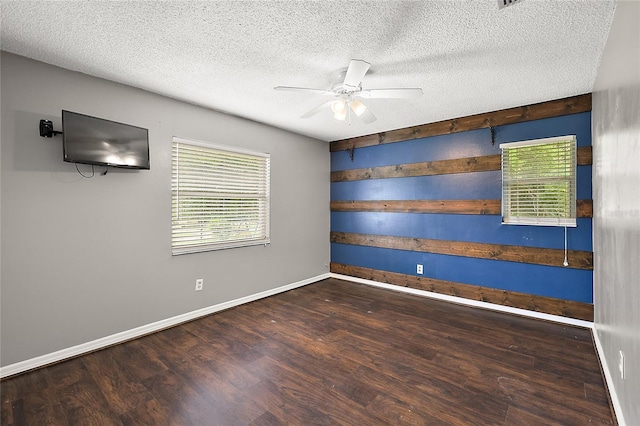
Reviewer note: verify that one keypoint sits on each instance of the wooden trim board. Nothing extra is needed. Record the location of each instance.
(565, 308)
(584, 208)
(522, 254)
(555, 108)
(483, 163)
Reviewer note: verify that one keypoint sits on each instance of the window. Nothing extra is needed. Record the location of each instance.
(220, 197)
(539, 182)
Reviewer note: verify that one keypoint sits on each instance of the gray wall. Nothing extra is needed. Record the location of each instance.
(616, 182)
(86, 258)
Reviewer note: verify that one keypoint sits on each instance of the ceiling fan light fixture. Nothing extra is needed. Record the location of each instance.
(358, 107)
(346, 94)
(339, 106)
(340, 115)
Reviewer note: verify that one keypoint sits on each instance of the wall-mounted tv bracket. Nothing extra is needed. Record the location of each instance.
(46, 129)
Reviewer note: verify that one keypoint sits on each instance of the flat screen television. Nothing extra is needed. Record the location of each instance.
(92, 140)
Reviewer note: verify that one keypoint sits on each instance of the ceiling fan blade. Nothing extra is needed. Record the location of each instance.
(315, 110)
(401, 93)
(304, 89)
(355, 73)
(367, 117)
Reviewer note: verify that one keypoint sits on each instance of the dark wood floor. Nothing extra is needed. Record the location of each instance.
(328, 353)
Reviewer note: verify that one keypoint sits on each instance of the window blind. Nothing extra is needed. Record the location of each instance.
(220, 197)
(539, 182)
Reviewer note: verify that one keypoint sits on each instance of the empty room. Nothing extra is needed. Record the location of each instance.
(319, 212)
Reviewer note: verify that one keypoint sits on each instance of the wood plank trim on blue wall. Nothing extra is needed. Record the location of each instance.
(584, 208)
(555, 108)
(483, 163)
(535, 255)
(549, 305)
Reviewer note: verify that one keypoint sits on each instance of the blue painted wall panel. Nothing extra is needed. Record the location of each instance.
(455, 227)
(562, 283)
(477, 185)
(464, 144)
(444, 147)
(462, 186)
(583, 182)
(575, 124)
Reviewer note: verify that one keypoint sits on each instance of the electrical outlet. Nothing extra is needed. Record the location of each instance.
(419, 269)
(621, 365)
(199, 284)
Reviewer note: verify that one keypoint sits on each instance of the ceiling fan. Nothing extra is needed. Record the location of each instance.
(345, 95)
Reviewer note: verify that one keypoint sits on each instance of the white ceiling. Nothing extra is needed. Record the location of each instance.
(468, 56)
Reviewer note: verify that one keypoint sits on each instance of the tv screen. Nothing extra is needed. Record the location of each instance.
(92, 140)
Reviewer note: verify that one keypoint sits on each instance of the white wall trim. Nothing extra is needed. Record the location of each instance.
(469, 302)
(608, 378)
(40, 361)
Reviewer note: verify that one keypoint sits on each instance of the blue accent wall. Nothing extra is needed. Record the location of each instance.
(557, 282)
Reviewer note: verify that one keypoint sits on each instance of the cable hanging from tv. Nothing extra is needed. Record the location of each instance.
(93, 171)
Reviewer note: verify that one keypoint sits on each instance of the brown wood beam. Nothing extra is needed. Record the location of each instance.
(584, 208)
(585, 156)
(484, 207)
(484, 163)
(428, 168)
(548, 305)
(420, 206)
(534, 255)
(555, 108)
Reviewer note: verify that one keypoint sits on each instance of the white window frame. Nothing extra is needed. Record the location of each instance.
(232, 186)
(512, 186)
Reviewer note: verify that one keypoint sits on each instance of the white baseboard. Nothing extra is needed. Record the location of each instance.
(617, 408)
(103, 342)
(469, 302)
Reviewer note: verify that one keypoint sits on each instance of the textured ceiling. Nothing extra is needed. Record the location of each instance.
(468, 56)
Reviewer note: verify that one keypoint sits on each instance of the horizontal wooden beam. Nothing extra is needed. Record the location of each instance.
(428, 168)
(585, 156)
(483, 207)
(548, 305)
(555, 108)
(584, 208)
(522, 254)
(484, 163)
(420, 206)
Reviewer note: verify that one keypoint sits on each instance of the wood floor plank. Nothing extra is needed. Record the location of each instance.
(517, 416)
(141, 357)
(114, 381)
(80, 397)
(151, 413)
(337, 374)
(187, 407)
(333, 353)
(525, 396)
(266, 419)
(293, 384)
(421, 378)
(288, 410)
(391, 410)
